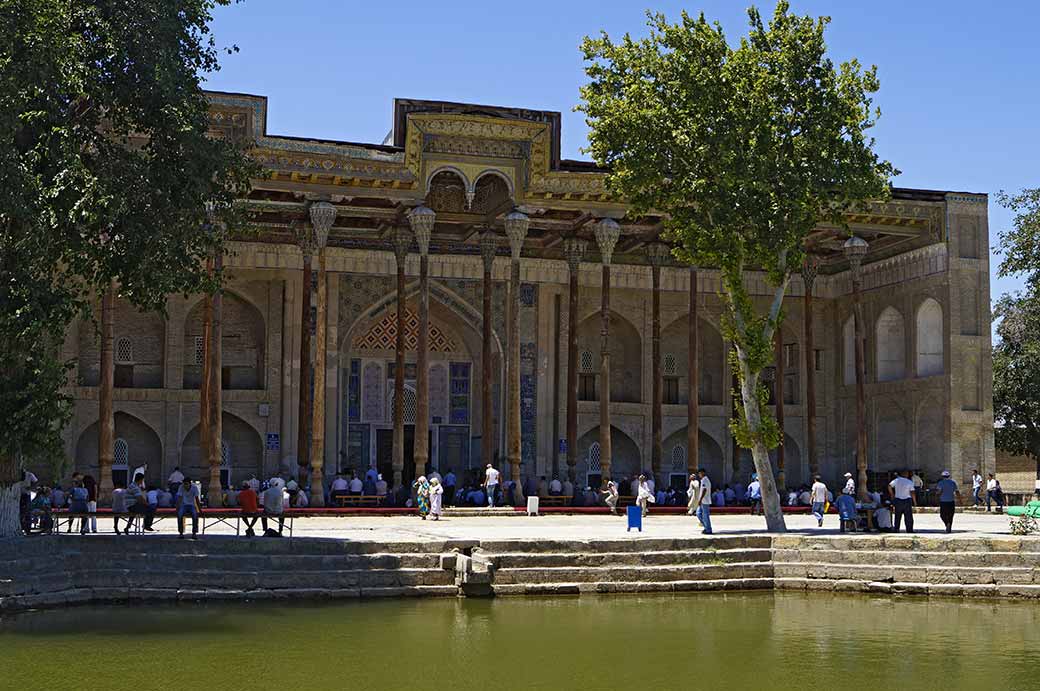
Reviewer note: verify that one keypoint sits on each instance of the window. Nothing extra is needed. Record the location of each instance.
(587, 387)
(669, 364)
(200, 350)
(891, 346)
(791, 355)
(120, 462)
(585, 361)
(123, 376)
(679, 457)
(929, 338)
(670, 394)
(124, 351)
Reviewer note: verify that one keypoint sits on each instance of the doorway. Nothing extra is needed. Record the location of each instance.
(385, 455)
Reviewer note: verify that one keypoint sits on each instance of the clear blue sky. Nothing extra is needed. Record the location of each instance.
(960, 80)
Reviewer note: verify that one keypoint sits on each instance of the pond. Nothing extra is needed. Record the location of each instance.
(739, 641)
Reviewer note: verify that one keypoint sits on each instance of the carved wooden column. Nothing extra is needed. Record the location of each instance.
(306, 413)
(206, 385)
(657, 253)
(402, 243)
(607, 232)
(693, 411)
(574, 249)
(322, 216)
(855, 248)
(422, 220)
(809, 276)
(488, 248)
(216, 427)
(516, 230)
(106, 415)
(778, 395)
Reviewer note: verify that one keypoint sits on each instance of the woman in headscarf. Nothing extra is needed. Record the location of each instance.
(611, 496)
(691, 494)
(422, 496)
(436, 498)
(645, 496)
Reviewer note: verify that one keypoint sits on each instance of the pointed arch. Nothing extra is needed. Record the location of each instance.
(711, 357)
(625, 458)
(135, 442)
(890, 339)
(929, 338)
(243, 341)
(709, 454)
(626, 353)
(242, 451)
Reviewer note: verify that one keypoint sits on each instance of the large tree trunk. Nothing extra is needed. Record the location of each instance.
(753, 414)
(10, 494)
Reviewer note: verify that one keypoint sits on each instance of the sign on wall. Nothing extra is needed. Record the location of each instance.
(274, 441)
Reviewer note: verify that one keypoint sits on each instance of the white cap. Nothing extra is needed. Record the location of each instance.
(848, 474)
(946, 473)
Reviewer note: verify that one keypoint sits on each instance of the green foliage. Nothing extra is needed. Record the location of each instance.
(1020, 245)
(105, 173)
(769, 429)
(1016, 373)
(1024, 525)
(744, 148)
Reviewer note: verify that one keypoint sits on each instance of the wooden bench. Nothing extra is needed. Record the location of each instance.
(556, 500)
(359, 500)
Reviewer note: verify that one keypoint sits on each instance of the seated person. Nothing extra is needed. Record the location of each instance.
(248, 501)
(40, 509)
(846, 510)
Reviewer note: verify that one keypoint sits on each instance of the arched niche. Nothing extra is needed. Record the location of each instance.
(143, 448)
(492, 192)
(891, 345)
(675, 454)
(242, 345)
(929, 327)
(675, 348)
(626, 352)
(242, 452)
(626, 460)
(446, 191)
(139, 347)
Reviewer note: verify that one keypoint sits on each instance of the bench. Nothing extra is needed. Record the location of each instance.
(556, 500)
(359, 500)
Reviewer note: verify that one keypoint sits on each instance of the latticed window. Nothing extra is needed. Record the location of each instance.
(585, 361)
(669, 364)
(121, 454)
(594, 456)
(225, 455)
(679, 457)
(124, 351)
(409, 403)
(200, 349)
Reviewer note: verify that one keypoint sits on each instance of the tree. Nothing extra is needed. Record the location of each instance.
(744, 149)
(106, 174)
(1016, 355)
(1016, 374)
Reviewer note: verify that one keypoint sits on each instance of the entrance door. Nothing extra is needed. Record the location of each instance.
(385, 454)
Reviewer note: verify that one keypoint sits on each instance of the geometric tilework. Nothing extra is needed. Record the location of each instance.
(383, 335)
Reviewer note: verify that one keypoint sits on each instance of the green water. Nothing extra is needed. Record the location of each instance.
(716, 641)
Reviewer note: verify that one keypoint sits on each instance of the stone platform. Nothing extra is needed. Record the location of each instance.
(363, 557)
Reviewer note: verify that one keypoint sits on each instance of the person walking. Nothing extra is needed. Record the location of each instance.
(754, 493)
(976, 488)
(818, 495)
(450, 483)
(948, 494)
(994, 494)
(422, 496)
(491, 480)
(901, 490)
(645, 497)
(436, 498)
(611, 496)
(691, 495)
(188, 497)
(704, 500)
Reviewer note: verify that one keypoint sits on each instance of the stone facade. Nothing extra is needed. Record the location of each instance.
(925, 302)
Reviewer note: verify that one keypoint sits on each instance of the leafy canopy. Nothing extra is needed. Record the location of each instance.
(105, 173)
(1016, 373)
(744, 148)
(1020, 244)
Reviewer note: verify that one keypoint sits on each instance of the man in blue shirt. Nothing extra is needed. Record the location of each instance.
(754, 493)
(948, 496)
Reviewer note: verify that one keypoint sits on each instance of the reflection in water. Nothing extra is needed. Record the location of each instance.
(741, 640)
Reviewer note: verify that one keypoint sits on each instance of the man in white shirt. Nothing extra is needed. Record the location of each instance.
(556, 487)
(175, 480)
(818, 496)
(380, 486)
(704, 501)
(357, 487)
(274, 504)
(994, 494)
(491, 480)
(850, 485)
(902, 492)
(976, 488)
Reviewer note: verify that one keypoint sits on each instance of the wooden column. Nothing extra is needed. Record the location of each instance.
(216, 428)
(106, 414)
(607, 232)
(657, 253)
(422, 220)
(778, 394)
(516, 230)
(855, 248)
(574, 249)
(306, 410)
(488, 248)
(322, 215)
(693, 382)
(402, 243)
(809, 276)
(206, 385)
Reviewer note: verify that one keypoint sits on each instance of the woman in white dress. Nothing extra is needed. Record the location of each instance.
(645, 496)
(691, 494)
(436, 498)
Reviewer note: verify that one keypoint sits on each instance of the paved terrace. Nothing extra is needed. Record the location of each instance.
(505, 524)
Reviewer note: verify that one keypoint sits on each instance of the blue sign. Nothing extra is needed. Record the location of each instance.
(563, 446)
(274, 441)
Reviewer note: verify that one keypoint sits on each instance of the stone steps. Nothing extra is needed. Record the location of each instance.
(511, 560)
(678, 586)
(618, 574)
(630, 545)
(1018, 591)
(908, 558)
(904, 542)
(964, 575)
